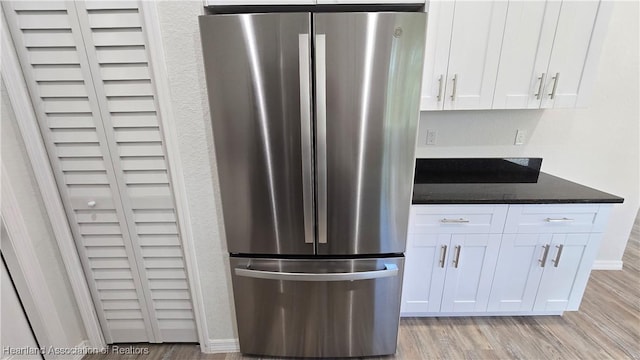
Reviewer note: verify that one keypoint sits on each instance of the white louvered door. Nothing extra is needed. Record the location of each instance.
(87, 69)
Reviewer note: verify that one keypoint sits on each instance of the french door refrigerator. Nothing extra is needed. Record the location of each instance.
(314, 119)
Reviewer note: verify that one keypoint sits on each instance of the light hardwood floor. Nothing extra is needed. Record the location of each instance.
(606, 327)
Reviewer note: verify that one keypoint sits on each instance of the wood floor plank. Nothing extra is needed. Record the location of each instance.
(606, 327)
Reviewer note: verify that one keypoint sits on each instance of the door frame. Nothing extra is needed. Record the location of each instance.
(28, 275)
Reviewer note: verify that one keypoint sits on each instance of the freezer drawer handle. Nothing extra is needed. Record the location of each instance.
(388, 271)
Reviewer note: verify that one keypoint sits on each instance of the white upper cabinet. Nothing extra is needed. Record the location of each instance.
(436, 59)
(549, 53)
(569, 54)
(526, 49)
(462, 52)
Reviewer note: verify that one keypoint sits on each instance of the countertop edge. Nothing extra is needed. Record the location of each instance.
(601, 197)
(533, 201)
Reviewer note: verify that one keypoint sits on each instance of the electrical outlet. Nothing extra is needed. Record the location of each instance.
(431, 136)
(520, 136)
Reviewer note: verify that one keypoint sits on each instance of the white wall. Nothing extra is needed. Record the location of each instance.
(18, 167)
(596, 146)
(181, 40)
(14, 328)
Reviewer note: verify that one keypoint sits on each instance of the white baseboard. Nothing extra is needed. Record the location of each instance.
(215, 346)
(607, 265)
(84, 344)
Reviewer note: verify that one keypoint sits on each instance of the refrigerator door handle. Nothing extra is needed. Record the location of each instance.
(305, 136)
(389, 270)
(321, 135)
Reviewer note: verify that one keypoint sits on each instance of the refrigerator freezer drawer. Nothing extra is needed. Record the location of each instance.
(317, 308)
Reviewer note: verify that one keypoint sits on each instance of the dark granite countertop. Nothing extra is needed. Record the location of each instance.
(497, 181)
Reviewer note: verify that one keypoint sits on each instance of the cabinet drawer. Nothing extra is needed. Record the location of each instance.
(556, 218)
(476, 219)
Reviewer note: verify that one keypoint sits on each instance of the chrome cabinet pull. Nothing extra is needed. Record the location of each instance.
(557, 220)
(455, 221)
(538, 95)
(388, 271)
(306, 136)
(544, 255)
(321, 136)
(456, 259)
(91, 203)
(556, 261)
(443, 255)
(455, 85)
(555, 85)
(439, 97)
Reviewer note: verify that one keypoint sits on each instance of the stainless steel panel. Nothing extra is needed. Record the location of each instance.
(373, 72)
(303, 318)
(253, 73)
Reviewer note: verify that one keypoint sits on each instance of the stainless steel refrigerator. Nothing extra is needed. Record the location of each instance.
(314, 119)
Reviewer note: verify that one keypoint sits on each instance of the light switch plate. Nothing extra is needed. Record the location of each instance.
(431, 136)
(520, 136)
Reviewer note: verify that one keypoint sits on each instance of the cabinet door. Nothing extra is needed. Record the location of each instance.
(566, 272)
(436, 55)
(470, 268)
(425, 267)
(474, 54)
(518, 272)
(526, 48)
(569, 54)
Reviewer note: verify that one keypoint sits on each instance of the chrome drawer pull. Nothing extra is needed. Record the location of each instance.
(555, 220)
(538, 95)
(556, 262)
(455, 221)
(443, 255)
(456, 260)
(455, 86)
(544, 255)
(555, 86)
(439, 97)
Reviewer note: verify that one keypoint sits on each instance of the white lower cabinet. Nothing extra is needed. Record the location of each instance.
(518, 272)
(566, 271)
(423, 274)
(470, 266)
(449, 272)
(451, 257)
(531, 271)
(542, 272)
